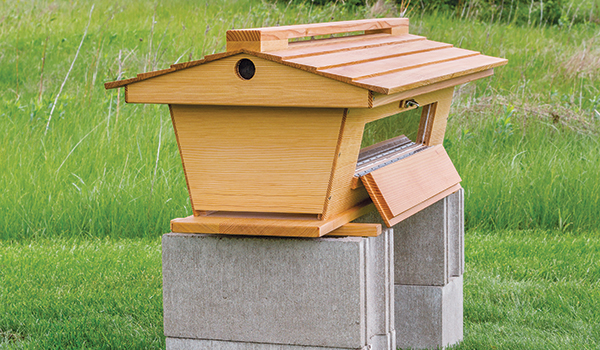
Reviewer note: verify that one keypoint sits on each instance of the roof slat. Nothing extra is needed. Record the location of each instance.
(413, 78)
(363, 41)
(395, 64)
(336, 59)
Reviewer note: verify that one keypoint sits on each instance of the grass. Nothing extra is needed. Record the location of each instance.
(83, 203)
(523, 290)
(104, 168)
(532, 290)
(81, 293)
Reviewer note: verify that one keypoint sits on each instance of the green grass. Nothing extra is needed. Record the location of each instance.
(82, 205)
(532, 290)
(523, 290)
(105, 168)
(76, 294)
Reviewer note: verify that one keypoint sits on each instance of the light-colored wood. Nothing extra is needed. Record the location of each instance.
(202, 212)
(382, 111)
(315, 29)
(417, 208)
(217, 83)
(349, 43)
(356, 183)
(391, 31)
(340, 195)
(260, 46)
(336, 59)
(269, 227)
(371, 114)
(435, 127)
(258, 159)
(381, 99)
(185, 173)
(405, 184)
(200, 84)
(427, 114)
(357, 230)
(421, 76)
(390, 65)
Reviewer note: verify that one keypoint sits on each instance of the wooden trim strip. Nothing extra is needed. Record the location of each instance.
(334, 45)
(381, 99)
(315, 29)
(357, 230)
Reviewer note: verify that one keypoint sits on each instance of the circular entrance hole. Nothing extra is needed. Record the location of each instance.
(245, 69)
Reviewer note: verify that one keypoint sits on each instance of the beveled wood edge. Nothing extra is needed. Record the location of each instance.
(354, 229)
(380, 99)
(270, 227)
(417, 208)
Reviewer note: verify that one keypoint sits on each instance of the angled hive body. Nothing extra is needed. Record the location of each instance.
(271, 147)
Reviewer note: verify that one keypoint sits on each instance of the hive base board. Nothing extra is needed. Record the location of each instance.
(213, 223)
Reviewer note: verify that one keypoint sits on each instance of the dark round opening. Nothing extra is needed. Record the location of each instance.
(245, 69)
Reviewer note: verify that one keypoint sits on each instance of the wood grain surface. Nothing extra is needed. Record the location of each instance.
(257, 159)
(212, 224)
(405, 184)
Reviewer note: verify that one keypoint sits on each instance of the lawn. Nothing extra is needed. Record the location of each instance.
(523, 290)
(88, 184)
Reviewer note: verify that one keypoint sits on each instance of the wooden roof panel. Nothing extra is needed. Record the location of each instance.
(431, 74)
(323, 46)
(341, 58)
(394, 64)
(385, 60)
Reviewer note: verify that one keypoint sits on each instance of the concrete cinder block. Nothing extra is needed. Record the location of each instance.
(429, 245)
(429, 317)
(455, 210)
(378, 342)
(204, 344)
(279, 292)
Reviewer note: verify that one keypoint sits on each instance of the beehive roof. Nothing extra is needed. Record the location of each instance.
(382, 62)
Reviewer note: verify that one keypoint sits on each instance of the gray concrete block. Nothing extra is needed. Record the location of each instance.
(204, 344)
(379, 342)
(380, 306)
(456, 233)
(429, 317)
(428, 246)
(325, 292)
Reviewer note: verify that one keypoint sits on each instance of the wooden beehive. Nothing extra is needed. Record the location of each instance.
(270, 131)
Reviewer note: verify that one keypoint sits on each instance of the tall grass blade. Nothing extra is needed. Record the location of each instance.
(69, 71)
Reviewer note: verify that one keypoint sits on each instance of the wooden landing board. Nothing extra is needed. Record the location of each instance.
(403, 186)
(264, 226)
